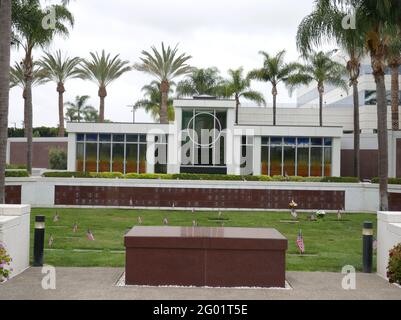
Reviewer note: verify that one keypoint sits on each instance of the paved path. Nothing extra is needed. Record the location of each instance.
(99, 283)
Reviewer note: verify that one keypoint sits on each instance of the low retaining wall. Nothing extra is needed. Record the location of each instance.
(388, 236)
(53, 192)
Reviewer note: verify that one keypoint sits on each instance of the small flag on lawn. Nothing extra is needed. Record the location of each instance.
(75, 228)
(194, 223)
(300, 242)
(90, 236)
(165, 221)
(140, 220)
(51, 240)
(56, 218)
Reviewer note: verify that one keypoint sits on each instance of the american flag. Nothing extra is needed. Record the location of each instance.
(300, 242)
(90, 236)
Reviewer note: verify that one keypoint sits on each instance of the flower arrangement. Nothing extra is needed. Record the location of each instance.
(394, 265)
(321, 214)
(5, 261)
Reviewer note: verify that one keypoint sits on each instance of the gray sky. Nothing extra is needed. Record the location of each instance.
(222, 33)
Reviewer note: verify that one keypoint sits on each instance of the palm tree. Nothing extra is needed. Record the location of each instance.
(274, 71)
(28, 33)
(5, 40)
(103, 70)
(165, 67)
(377, 22)
(200, 82)
(79, 110)
(320, 68)
(152, 101)
(238, 86)
(17, 78)
(59, 69)
(394, 63)
(324, 24)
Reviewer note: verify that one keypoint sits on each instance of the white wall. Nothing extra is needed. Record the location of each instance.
(388, 236)
(14, 233)
(362, 197)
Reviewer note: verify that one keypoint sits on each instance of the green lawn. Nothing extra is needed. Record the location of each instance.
(330, 244)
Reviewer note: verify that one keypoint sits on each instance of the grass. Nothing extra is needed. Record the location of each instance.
(330, 244)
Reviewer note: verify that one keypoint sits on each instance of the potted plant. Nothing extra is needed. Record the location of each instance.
(394, 265)
(5, 261)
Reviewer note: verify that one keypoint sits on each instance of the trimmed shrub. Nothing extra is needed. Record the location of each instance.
(390, 180)
(58, 159)
(146, 176)
(107, 175)
(17, 174)
(66, 174)
(15, 167)
(394, 265)
(340, 179)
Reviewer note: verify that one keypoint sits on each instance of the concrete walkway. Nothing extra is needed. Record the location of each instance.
(100, 283)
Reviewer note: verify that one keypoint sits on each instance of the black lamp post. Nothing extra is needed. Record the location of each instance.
(39, 241)
(367, 247)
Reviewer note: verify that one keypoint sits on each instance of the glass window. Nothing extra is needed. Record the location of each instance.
(265, 161)
(328, 142)
(289, 160)
(265, 141)
(142, 138)
(118, 157)
(80, 156)
(142, 158)
(105, 137)
(317, 142)
(276, 141)
(276, 158)
(303, 161)
(327, 161)
(91, 137)
(132, 158)
(104, 157)
(118, 138)
(316, 162)
(132, 138)
(91, 157)
(80, 137)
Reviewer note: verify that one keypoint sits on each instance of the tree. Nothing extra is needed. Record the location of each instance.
(152, 101)
(274, 71)
(29, 33)
(200, 82)
(79, 110)
(165, 66)
(5, 40)
(319, 67)
(394, 63)
(17, 78)
(378, 21)
(238, 86)
(103, 70)
(325, 24)
(59, 69)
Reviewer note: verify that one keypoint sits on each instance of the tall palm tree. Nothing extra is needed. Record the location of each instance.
(238, 86)
(394, 63)
(103, 70)
(5, 40)
(28, 33)
(377, 22)
(165, 66)
(152, 101)
(319, 67)
(17, 78)
(324, 24)
(274, 71)
(59, 69)
(200, 82)
(79, 110)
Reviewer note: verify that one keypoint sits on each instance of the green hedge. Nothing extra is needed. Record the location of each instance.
(199, 177)
(15, 167)
(390, 180)
(17, 174)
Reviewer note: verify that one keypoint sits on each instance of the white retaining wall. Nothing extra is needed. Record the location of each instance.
(39, 192)
(388, 236)
(14, 233)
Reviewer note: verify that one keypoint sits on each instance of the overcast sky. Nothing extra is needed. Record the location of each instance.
(222, 33)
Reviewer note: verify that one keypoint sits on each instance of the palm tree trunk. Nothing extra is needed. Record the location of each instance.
(274, 92)
(395, 95)
(237, 104)
(378, 72)
(5, 40)
(321, 92)
(164, 89)
(102, 96)
(29, 126)
(357, 132)
(25, 113)
(61, 90)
